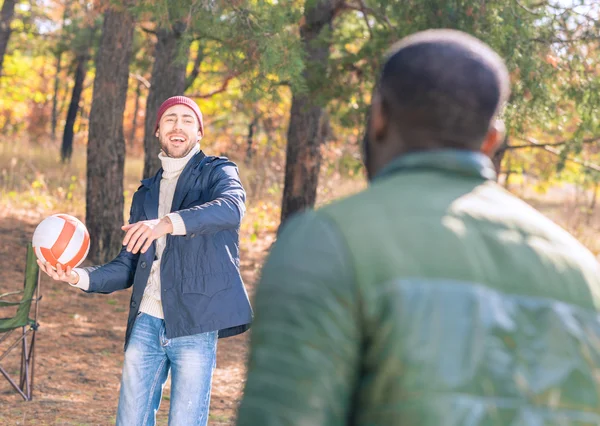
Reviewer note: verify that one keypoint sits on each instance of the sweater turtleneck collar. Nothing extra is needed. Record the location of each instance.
(172, 167)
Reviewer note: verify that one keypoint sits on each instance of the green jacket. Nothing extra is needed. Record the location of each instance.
(432, 298)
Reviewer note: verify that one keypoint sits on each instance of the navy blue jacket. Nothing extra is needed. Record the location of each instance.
(201, 286)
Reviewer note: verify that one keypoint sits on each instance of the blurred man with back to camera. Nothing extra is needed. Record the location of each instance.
(434, 297)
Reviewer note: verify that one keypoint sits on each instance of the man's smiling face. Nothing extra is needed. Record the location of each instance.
(178, 131)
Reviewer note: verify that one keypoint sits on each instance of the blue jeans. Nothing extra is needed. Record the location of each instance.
(148, 359)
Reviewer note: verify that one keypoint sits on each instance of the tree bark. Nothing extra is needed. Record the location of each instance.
(59, 53)
(54, 121)
(106, 144)
(66, 149)
(499, 156)
(168, 79)
(250, 140)
(6, 16)
(305, 131)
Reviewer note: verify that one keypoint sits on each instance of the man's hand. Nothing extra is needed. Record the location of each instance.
(59, 274)
(140, 235)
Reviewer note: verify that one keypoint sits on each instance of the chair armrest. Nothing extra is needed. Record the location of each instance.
(11, 293)
(5, 304)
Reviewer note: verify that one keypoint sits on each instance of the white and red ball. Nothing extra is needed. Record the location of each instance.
(63, 239)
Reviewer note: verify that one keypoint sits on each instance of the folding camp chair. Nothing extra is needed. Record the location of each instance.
(23, 324)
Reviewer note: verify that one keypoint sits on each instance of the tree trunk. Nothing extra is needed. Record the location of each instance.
(305, 131)
(168, 79)
(55, 97)
(136, 111)
(66, 149)
(59, 54)
(106, 143)
(250, 140)
(590, 213)
(6, 16)
(499, 156)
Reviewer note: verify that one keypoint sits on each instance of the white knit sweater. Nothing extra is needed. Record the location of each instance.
(172, 168)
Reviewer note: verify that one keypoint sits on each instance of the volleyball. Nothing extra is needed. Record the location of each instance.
(61, 238)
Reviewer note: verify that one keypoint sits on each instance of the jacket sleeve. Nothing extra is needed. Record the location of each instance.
(226, 208)
(114, 275)
(117, 274)
(306, 337)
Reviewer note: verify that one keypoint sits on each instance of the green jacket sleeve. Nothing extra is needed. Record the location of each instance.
(306, 334)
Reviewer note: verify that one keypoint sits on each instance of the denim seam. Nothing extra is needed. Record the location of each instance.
(156, 379)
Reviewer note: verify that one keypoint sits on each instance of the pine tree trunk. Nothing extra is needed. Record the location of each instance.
(250, 140)
(6, 16)
(55, 97)
(106, 144)
(66, 149)
(305, 134)
(499, 156)
(168, 79)
(59, 54)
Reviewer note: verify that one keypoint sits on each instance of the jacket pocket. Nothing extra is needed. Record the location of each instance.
(206, 285)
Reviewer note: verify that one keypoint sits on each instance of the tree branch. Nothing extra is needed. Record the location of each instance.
(147, 30)
(366, 11)
(587, 165)
(140, 79)
(525, 8)
(567, 41)
(221, 89)
(363, 10)
(196, 68)
(537, 144)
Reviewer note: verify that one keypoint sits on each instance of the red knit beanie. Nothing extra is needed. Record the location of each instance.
(180, 100)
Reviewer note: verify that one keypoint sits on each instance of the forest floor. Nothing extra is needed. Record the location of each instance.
(80, 339)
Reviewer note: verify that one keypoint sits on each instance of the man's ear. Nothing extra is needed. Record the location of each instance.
(379, 120)
(494, 138)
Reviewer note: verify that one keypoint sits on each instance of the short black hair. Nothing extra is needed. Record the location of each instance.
(443, 85)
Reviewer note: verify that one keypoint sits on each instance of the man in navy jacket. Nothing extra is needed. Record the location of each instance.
(181, 254)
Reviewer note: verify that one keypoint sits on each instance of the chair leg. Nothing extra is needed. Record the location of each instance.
(14, 385)
(25, 368)
(23, 360)
(31, 364)
(24, 388)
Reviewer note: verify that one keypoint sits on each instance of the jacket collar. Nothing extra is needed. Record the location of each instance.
(468, 163)
(194, 161)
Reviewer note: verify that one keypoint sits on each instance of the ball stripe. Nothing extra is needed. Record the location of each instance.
(63, 239)
(83, 251)
(49, 256)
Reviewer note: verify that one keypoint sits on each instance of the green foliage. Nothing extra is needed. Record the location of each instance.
(251, 56)
(522, 37)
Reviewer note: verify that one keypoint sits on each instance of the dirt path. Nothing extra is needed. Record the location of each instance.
(79, 352)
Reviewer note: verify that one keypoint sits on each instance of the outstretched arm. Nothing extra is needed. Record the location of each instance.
(224, 211)
(306, 335)
(115, 275)
(226, 208)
